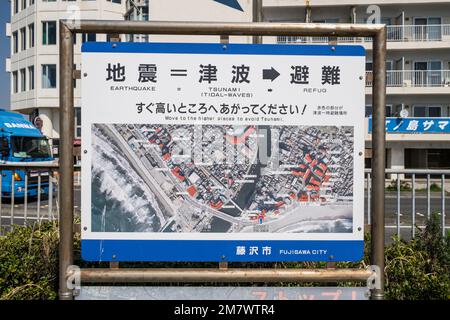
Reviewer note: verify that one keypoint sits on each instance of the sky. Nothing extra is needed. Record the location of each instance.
(4, 53)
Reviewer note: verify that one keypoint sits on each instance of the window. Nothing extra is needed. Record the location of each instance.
(48, 32)
(74, 80)
(31, 2)
(23, 39)
(31, 35)
(91, 37)
(144, 13)
(434, 112)
(77, 122)
(116, 1)
(388, 111)
(15, 82)
(427, 159)
(31, 78)
(23, 80)
(428, 73)
(389, 65)
(425, 111)
(15, 42)
(49, 0)
(16, 6)
(386, 21)
(428, 28)
(24, 4)
(30, 147)
(48, 76)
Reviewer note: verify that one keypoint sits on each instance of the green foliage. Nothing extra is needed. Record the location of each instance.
(404, 186)
(435, 188)
(28, 263)
(418, 269)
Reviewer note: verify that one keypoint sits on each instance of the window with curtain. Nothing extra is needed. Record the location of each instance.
(15, 83)
(31, 78)
(15, 44)
(48, 76)
(23, 80)
(31, 35)
(48, 32)
(23, 39)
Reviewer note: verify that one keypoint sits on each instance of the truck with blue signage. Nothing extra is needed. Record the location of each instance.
(21, 142)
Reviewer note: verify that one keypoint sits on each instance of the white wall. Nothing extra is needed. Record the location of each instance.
(198, 10)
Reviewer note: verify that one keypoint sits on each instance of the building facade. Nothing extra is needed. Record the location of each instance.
(34, 60)
(418, 60)
(418, 64)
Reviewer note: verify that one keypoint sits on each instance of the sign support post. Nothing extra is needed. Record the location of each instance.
(378, 157)
(67, 31)
(66, 120)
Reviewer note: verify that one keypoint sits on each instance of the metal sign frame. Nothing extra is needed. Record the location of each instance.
(67, 31)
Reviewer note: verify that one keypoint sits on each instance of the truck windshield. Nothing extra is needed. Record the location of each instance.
(30, 147)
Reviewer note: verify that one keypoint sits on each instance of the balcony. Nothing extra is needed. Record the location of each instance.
(395, 34)
(413, 79)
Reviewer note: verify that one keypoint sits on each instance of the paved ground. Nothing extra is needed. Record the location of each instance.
(391, 210)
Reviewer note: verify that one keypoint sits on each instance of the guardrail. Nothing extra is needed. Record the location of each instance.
(413, 78)
(395, 33)
(29, 193)
(410, 189)
(406, 181)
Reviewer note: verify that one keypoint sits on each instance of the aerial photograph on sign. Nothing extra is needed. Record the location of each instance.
(222, 178)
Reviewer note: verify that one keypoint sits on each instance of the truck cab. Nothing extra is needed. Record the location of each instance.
(21, 142)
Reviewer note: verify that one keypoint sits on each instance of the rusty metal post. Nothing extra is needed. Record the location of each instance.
(222, 275)
(257, 17)
(66, 122)
(378, 156)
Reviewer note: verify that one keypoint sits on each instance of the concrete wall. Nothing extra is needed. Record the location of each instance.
(199, 10)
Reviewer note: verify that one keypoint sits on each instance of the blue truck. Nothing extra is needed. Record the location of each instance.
(21, 142)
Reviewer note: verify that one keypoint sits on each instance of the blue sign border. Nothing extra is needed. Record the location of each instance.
(216, 48)
(221, 250)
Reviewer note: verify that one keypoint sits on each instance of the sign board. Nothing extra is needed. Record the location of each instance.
(415, 125)
(210, 152)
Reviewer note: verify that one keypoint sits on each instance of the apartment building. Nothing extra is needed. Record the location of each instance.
(34, 60)
(418, 64)
(418, 60)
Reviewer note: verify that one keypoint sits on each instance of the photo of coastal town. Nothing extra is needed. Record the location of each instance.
(222, 178)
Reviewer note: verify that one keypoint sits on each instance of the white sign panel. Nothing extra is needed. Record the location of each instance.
(210, 152)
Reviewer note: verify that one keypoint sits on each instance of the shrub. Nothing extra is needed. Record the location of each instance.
(404, 186)
(418, 269)
(28, 262)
